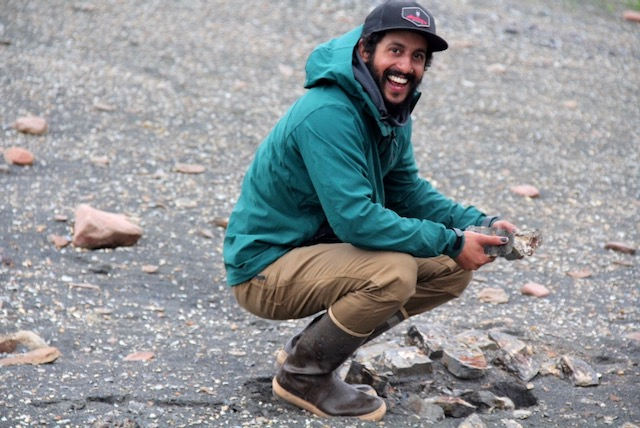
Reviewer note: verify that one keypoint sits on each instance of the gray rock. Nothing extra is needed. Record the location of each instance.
(407, 361)
(581, 372)
(464, 362)
(454, 407)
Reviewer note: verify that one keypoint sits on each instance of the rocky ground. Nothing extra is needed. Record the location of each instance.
(538, 92)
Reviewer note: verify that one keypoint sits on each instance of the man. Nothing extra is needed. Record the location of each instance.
(334, 217)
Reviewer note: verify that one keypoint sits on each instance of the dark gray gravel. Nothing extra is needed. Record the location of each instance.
(534, 92)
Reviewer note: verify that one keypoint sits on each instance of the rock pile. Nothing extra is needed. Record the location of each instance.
(409, 373)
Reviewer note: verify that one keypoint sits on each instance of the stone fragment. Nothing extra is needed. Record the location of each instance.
(580, 274)
(507, 342)
(510, 423)
(102, 161)
(139, 356)
(221, 222)
(522, 414)
(535, 289)
(59, 241)
(149, 268)
(430, 338)
(524, 244)
(100, 106)
(493, 295)
(407, 361)
(18, 156)
(571, 104)
(521, 243)
(497, 68)
(369, 354)
(453, 406)
(631, 16)
(487, 402)
(514, 356)
(550, 368)
(634, 336)
(479, 338)
(36, 357)
(581, 372)
(99, 229)
(26, 338)
(187, 168)
(428, 411)
(525, 190)
(464, 362)
(31, 125)
(522, 365)
(360, 374)
(620, 247)
(473, 421)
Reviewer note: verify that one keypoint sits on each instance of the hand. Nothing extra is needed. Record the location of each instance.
(472, 256)
(503, 224)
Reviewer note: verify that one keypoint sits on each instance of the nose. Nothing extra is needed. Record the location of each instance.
(404, 64)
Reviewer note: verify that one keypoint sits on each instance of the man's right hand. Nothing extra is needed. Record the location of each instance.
(472, 256)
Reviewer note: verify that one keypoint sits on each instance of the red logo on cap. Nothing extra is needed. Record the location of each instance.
(416, 16)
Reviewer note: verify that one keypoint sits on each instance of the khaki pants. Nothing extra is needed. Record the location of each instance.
(362, 288)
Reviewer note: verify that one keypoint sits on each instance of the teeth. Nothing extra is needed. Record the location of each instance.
(399, 80)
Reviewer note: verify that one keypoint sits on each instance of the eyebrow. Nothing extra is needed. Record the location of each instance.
(403, 46)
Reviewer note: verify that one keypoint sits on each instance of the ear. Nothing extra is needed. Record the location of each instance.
(362, 52)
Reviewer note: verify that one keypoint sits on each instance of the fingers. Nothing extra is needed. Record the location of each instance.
(493, 240)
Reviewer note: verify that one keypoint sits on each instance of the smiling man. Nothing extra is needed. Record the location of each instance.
(334, 220)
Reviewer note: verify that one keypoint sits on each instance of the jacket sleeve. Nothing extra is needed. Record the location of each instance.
(412, 196)
(333, 146)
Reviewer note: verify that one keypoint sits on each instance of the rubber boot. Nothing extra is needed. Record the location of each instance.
(307, 377)
(283, 353)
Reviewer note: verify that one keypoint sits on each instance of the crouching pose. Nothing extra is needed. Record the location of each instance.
(334, 219)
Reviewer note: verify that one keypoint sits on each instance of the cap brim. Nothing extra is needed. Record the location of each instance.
(435, 43)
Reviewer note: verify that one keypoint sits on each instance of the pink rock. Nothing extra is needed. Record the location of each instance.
(18, 156)
(493, 295)
(187, 168)
(31, 125)
(58, 241)
(526, 190)
(631, 15)
(620, 247)
(99, 229)
(535, 289)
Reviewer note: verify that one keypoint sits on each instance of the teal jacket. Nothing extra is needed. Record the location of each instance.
(333, 158)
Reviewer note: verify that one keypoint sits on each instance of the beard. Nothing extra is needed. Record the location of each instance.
(393, 108)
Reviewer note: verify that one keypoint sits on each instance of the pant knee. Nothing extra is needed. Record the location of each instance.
(400, 275)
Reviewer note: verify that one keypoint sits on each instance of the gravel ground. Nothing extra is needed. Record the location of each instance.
(535, 92)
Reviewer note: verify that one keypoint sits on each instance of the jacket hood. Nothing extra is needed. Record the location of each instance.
(334, 62)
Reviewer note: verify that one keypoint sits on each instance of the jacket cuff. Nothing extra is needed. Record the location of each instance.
(489, 220)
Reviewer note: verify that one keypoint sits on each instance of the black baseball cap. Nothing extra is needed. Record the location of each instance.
(404, 15)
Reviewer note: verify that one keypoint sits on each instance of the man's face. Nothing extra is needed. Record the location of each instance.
(397, 65)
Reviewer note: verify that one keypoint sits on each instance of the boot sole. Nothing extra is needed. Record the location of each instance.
(285, 395)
